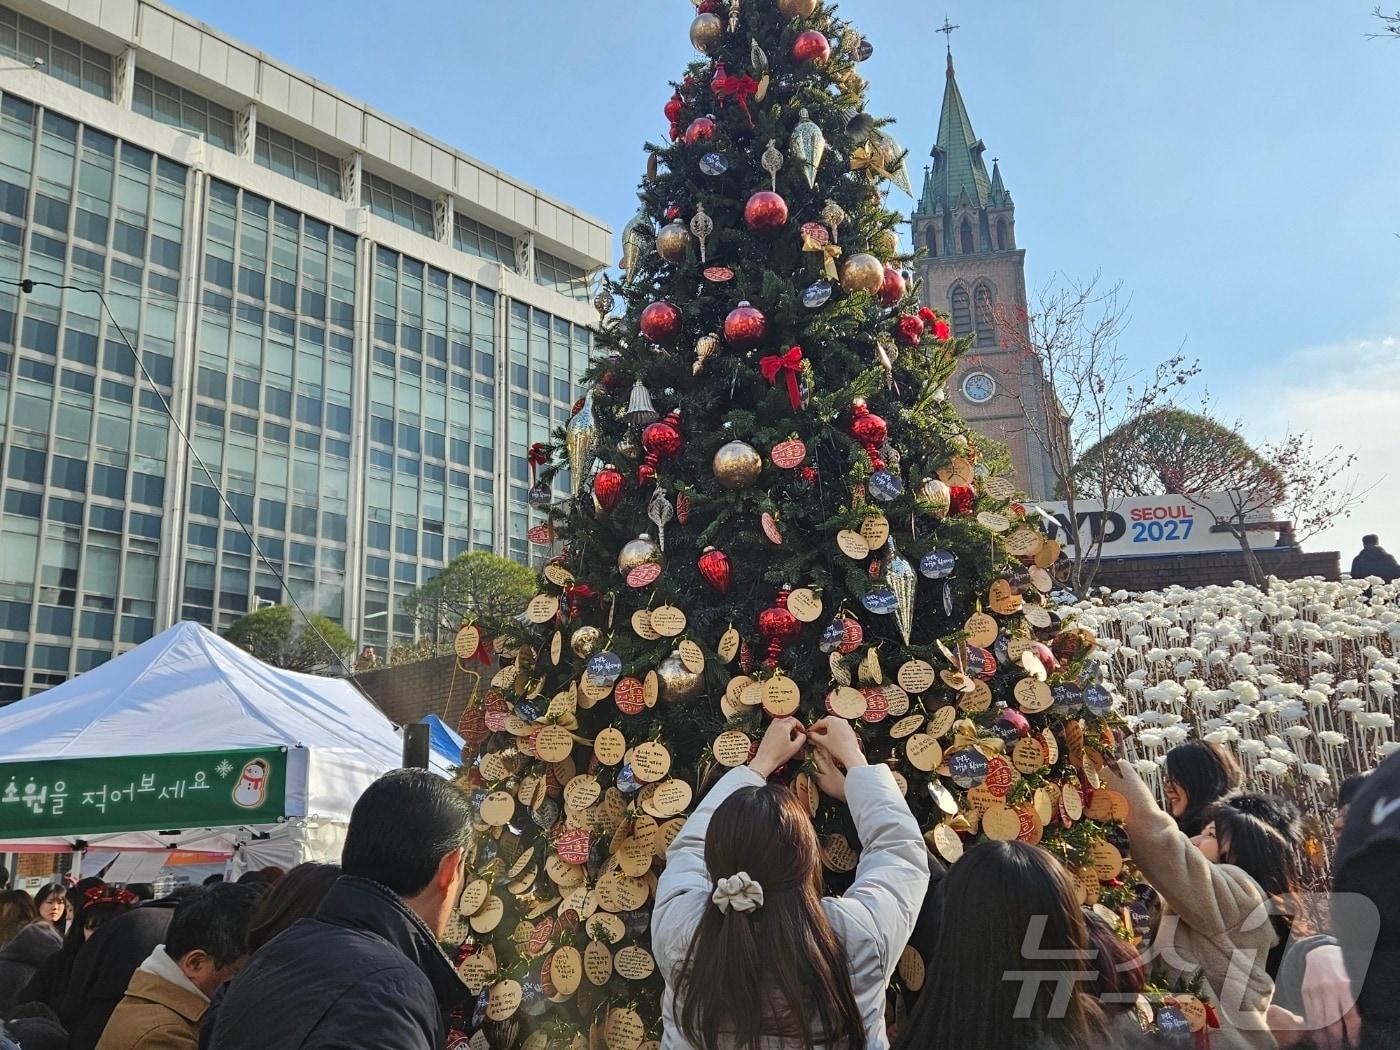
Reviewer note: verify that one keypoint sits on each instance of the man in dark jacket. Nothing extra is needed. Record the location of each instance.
(1374, 560)
(22, 956)
(367, 970)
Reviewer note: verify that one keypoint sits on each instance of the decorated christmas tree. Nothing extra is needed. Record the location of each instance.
(773, 511)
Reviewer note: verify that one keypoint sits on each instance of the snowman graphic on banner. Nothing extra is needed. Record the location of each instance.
(251, 790)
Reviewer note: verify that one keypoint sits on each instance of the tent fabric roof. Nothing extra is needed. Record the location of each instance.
(189, 690)
(446, 745)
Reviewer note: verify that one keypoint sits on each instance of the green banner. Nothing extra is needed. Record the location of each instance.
(95, 796)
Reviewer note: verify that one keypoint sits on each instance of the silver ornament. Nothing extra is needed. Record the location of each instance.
(834, 215)
(638, 239)
(640, 410)
(808, 146)
(772, 162)
(901, 578)
(660, 511)
(702, 226)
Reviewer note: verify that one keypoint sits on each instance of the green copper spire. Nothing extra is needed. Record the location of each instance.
(957, 157)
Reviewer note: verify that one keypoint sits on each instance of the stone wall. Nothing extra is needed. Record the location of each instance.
(1202, 570)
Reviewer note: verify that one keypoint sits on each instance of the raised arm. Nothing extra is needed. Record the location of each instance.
(1209, 897)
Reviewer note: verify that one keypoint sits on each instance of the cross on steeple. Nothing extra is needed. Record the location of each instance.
(947, 30)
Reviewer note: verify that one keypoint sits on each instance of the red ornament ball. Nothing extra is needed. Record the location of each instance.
(766, 212)
(808, 475)
(892, 291)
(714, 567)
(662, 439)
(745, 327)
(661, 322)
(910, 330)
(712, 7)
(961, 499)
(811, 46)
(674, 105)
(607, 488)
(776, 624)
(701, 129)
(866, 427)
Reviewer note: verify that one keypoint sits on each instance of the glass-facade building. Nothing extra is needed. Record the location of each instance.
(358, 347)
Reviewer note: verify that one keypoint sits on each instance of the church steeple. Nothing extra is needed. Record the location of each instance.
(962, 210)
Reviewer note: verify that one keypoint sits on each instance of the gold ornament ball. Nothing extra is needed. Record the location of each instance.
(584, 641)
(678, 682)
(673, 242)
(737, 465)
(638, 552)
(936, 497)
(707, 33)
(862, 273)
(797, 8)
(889, 241)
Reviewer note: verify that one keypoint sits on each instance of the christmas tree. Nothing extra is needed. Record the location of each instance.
(773, 510)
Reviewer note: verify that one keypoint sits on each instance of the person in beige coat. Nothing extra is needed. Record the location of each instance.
(1215, 916)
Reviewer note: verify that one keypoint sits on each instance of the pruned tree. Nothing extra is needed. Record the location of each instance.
(476, 587)
(1290, 483)
(1090, 388)
(278, 635)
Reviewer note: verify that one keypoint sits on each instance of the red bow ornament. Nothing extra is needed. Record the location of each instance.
(788, 364)
(538, 457)
(740, 89)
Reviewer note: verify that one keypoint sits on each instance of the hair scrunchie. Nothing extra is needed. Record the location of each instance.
(738, 892)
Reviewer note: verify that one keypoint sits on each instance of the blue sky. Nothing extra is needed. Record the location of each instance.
(1234, 165)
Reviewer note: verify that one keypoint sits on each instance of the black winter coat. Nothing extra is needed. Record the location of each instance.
(104, 967)
(1375, 561)
(364, 972)
(22, 956)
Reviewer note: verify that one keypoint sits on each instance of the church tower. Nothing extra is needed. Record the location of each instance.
(966, 223)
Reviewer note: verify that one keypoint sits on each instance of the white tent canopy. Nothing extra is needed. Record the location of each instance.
(188, 690)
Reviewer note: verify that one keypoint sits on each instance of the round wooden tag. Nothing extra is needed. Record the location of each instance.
(489, 916)
(1000, 823)
(942, 721)
(728, 647)
(497, 808)
(991, 520)
(906, 727)
(668, 621)
(781, 697)
(852, 545)
(542, 608)
(650, 762)
(554, 743)
(503, 1000)
(947, 843)
(609, 746)
(804, 605)
(1003, 600)
(1037, 616)
(915, 676)
(692, 658)
(846, 702)
(977, 699)
(651, 689)
(771, 529)
(911, 969)
(1107, 861)
(981, 629)
(634, 963)
(624, 1030)
(641, 623)
(582, 791)
(875, 530)
(473, 897)
(1028, 756)
(924, 752)
(566, 970)
(1033, 696)
(558, 575)
(1047, 555)
(1022, 542)
(467, 642)
(672, 798)
(837, 854)
(732, 749)
(597, 963)
(999, 488)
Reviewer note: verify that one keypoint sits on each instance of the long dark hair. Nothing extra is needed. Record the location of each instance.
(54, 889)
(1119, 968)
(1206, 772)
(1259, 834)
(17, 911)
(1003, 902)
(296, 895)
(778, 971)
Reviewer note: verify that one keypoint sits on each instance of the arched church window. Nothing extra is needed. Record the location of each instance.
(931, 239)
(986, 315)
(962, 311)
(966, 237)
(1002, 242)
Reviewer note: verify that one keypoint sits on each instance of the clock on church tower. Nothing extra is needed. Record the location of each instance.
(966, 223)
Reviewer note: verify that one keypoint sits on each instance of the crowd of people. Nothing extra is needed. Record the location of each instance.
(753, 955)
